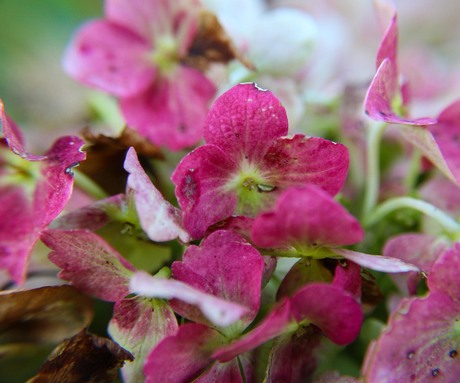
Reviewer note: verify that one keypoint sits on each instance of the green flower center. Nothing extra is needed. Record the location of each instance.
(165, 56)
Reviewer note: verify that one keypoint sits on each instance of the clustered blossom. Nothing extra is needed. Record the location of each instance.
(258, 254)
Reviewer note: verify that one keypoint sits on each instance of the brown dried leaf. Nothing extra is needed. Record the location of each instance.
(84, 358)
(212, 44)
(106, 155)
(46, 314)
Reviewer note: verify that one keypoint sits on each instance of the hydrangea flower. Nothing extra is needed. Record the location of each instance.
(205, 352)
(33, 191)
(248, 160)
(138, 323)
(136, 53)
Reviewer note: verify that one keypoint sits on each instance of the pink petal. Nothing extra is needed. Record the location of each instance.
(292, 357)
(444, 273)
(389, 47)
(89, 263)
(217, 310)
(277, 322)
(306, 216)
(425, 141)
(224, 372)
(138, 325)
(54, 189)
(159, 219)
(334, 377)
(330, 308)
(347, 277)
(199, 180)
(245, 121)
(446, 133)
(172, 111)
(216, 268)
(91, 217)
(383, 89)
(420, 343)
(301, 160)
(376, 262)
(184, 356)
(442, 193)
(17, 232)
(111, 58)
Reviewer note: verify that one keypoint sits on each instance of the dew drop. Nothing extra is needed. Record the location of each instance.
(453, 353)
(410, 354)
(265, 188)
(435, 372)
(343, 263)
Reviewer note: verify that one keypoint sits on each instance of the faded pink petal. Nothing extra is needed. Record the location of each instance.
(292, 357)
(110, 57)
(91, 217)
(199, 180)
(217, 310)
(223, 372)
(159, 219)
(383, 90)
(184, 356)
(442, 193)
(421, 250)
(389, 47)
(138, 325)
(308, 216)
(245, 121)
(446, 133)
(421, 340)
(376, 262)
(334, 377)
(227, 267)
(172, 111)
(89, 263)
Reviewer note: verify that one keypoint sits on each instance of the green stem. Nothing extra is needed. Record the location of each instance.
(83, 182)
(447, 222)
(413, 171)
(375, 134)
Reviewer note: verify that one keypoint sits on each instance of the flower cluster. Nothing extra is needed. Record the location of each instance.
(223, 242)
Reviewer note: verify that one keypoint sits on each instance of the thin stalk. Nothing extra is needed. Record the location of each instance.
(447, 222)
(413, 171)
(375, 134)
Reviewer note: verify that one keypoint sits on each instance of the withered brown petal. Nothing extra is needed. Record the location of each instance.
(106, 155)
(84, 358)
(212, 45)
(46, 314)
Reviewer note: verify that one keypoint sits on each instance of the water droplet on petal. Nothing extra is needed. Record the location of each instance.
(410, 354)
(435, 371)
(453, 353)
(265, 188)
(343, 263)
(69, 170)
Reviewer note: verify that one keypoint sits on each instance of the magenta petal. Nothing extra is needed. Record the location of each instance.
(159, 219)
(89, 263)
(219, 311)
(226, 266)
(91, 217)
(292, 357)
(381, 93)
(389, 46)
(182, 357)
(347, 277)
(199, 180)
(223, 372)
(138, 325)
(17, 233)
(245, 121)
(446, 133)
(300, 160)
(444, 273)
(307, 216)
(420, 343)
(55, 187)
(376, 262)
(172, 111)
(333, 310)
(278, 321)
(111, 58)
